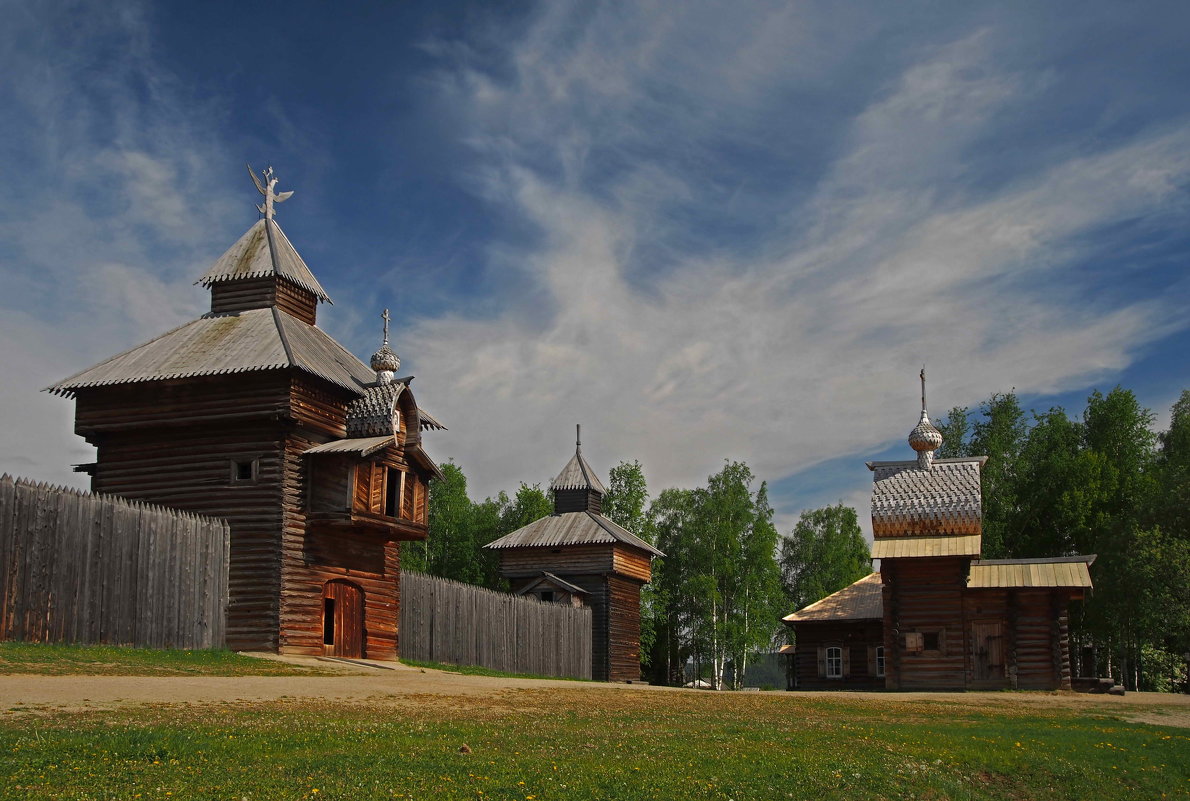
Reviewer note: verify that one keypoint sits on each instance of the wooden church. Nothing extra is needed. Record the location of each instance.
(253, 414)
(576, 556)
(937, 616)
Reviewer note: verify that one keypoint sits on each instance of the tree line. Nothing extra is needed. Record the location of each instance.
(1052, 486)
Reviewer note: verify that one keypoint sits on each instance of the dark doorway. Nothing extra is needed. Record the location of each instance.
(342, 619)
(988, 642)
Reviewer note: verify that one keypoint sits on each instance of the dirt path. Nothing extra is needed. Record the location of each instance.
(360, 684)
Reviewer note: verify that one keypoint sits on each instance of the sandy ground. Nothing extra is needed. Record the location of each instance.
(358, 684)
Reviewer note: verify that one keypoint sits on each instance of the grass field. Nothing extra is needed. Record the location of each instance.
(110, 660)
(476, 670)
(591, 743)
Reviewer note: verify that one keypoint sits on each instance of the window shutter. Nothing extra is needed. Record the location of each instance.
(846, 661)
(871, 660)
(821, 662)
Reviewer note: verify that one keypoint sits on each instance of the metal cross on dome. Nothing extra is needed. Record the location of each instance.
(268, 189)
(386, 319)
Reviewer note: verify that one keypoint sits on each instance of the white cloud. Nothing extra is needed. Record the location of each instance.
(112, 221)
(810, 349)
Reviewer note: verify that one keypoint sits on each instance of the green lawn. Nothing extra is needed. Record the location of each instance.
(476, 670)
(112, 660)
(590, 743)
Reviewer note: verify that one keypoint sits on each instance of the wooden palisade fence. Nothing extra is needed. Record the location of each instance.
(447, 621)
(85, 568)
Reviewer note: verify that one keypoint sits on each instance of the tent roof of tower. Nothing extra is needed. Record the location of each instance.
(263, 251)
(577, 474)
(571, 528)
(238, 342)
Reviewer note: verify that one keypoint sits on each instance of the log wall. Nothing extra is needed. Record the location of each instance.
(260, 293)
(925, 596)
(446, 621)
(84, 568)
(859, 639)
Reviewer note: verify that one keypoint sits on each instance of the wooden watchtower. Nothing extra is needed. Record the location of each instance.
(578, 555)
(253, 414)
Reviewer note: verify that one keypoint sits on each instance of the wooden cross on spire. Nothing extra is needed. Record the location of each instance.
(269, 190)
(386, 319)
(923, 388)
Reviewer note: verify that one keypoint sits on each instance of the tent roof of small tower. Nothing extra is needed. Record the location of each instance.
(571, 528)
(257, 339)
(263, 251)
(577, 475)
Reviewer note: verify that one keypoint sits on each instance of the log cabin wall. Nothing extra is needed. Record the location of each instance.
(260, 293)
(857, 639)
(632, 563)
(623, 629)
(612, 576)
(177, 443)
(986, 612)
(571, 560)
(924, 596)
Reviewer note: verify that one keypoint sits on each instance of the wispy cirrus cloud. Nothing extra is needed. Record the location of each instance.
(690, 311)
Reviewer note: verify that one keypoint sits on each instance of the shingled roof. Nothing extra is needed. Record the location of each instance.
(862, 600)
(238, 342)
(571, 528)
(577, 474)
(263, 251)
(941, 498)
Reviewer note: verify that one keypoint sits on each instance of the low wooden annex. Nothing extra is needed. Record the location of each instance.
(948, 620)
(253, 414)
(840, 639)
(577, 556)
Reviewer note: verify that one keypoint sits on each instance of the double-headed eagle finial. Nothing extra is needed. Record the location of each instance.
(268, 189)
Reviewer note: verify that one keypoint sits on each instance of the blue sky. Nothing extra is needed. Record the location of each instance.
(707, 231)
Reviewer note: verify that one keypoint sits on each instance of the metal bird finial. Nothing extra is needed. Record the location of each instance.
(269, 190)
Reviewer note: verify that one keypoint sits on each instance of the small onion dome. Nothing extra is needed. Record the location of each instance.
(385, 361)
(924, 437)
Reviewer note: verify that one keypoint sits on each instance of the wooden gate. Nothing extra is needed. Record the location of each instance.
(987, 641)
(342, 619)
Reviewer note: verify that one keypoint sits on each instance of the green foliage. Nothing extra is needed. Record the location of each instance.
(998, 434)
(627, 499)
(954, 430)
(719, 581)
(824, 553)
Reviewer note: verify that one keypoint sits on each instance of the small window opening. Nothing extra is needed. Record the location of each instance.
(392, 492)
(547, 596)
(879, 660)
(246, 470)
(834, 662)
(328, 621)
(930, 640)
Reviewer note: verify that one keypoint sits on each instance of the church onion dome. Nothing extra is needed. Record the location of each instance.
(924, 437)
(385, 360)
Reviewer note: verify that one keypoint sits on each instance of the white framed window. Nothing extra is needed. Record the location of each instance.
(879, 660)
(834, 662)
